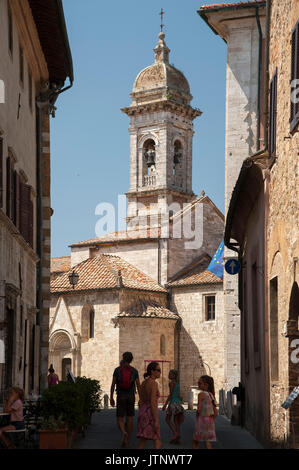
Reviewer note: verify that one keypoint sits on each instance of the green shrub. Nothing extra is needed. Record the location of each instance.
(65, 402)
(92, 394)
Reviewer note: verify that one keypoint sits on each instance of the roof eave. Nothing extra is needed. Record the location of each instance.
(203, 13)
(65, 39)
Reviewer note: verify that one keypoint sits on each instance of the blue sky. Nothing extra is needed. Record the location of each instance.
(111, 42)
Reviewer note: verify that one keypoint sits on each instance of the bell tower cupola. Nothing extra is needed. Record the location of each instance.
(161, 134)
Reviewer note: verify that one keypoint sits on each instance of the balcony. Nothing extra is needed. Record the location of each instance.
(149, 180)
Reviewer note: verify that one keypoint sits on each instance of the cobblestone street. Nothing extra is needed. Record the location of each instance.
(103, 434)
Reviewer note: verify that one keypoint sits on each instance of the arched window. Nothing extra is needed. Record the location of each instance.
(149, 153)
(162, 345)
(177, 156)
(91, 323)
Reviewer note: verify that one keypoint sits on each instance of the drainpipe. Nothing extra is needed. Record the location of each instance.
(45, 100)
(258, 134)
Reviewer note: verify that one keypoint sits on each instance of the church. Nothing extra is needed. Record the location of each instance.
(147, 289)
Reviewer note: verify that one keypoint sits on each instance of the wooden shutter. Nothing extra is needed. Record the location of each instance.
(1, 172)
(13, 198)
(273, 115)
(25, 192)
(294, 118)
(30, 223)
(17, 198)
(8, 184)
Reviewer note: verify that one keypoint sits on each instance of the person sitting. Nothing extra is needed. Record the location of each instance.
(14, 406)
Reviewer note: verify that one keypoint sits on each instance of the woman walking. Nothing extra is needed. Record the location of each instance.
(206, 413)
(148, 427)
(53, 378)
(174, 408)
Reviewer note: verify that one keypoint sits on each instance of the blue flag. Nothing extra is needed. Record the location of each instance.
(216, 265)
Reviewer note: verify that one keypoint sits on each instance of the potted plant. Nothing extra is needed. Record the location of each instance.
(62, 405)
(53, 433)
(92, 396)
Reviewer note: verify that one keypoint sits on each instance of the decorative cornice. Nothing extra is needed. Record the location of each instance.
(164, 191)
(165, 105)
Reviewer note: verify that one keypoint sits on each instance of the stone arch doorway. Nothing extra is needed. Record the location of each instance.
(63, 353)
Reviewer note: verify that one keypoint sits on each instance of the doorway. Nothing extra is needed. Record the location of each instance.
(66, 367)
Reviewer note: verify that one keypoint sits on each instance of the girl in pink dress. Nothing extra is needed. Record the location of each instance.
(14, 407)
(148, 427)
(52, 377)
(206, 413)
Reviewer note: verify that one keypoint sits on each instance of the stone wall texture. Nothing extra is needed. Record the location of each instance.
(282, 228)
(202, 343)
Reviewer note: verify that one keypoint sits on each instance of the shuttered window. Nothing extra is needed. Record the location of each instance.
(8, 187)
(294, 119)
(273, 115)
(10, 31)
(26, 216)
(1, 172)
(16, 199)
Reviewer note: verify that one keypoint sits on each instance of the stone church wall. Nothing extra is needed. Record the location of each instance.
(200, 340)
(142, 337)
(91, 357)
(143, 256)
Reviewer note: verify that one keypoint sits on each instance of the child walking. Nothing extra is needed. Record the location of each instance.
(206, 413)
(175, 408)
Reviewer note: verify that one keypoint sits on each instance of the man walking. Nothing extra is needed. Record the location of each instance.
(126, 378)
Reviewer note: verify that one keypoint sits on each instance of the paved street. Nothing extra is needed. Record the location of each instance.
(103, 434)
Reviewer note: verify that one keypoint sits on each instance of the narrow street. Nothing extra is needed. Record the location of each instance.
(103, 434)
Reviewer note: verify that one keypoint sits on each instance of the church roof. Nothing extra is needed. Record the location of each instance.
(104, 272)
(195, 274)
(61, 264)
(148, 309)
(122, 236)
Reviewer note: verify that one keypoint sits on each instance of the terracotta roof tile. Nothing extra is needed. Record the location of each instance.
(102, 272)
(148, 309)
(195, 274)
(60, 264)
(218, 6)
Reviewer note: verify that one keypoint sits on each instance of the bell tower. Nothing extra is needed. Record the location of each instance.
(161, 134)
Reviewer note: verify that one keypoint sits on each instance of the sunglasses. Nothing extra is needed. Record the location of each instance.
(158, 370)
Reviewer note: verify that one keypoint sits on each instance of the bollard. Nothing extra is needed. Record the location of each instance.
(106, 401)
(190, 400)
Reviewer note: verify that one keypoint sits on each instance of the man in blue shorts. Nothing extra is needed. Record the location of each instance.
(125, 378)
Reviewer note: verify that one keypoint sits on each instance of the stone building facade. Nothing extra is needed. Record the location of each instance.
(282, 230)
(31, 78)
(171, 237)
(263, 221)
(242, 27)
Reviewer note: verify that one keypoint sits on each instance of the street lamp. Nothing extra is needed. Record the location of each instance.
(73, 278)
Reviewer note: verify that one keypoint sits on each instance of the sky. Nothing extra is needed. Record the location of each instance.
(111, 42)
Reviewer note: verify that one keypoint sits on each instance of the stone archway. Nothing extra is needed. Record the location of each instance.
(63, 350)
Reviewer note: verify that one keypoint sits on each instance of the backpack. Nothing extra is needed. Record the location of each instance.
(125, 377)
